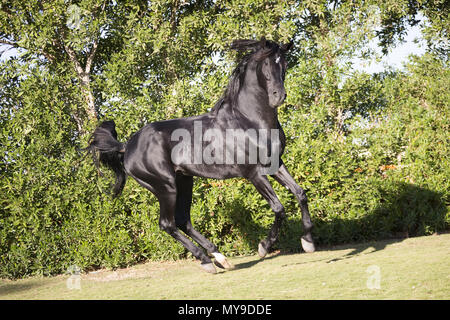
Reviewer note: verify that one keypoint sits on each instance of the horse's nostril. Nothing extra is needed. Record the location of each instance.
(275, 93)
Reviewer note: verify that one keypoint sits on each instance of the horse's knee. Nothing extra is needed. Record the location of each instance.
(277, 207)
(300, 194)
(167, 226)
(279, 210)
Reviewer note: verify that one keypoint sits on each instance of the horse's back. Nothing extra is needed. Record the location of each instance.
(148, 151)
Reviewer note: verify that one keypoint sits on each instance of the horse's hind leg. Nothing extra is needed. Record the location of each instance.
(166, 193)
(183, 219)
(167, 203)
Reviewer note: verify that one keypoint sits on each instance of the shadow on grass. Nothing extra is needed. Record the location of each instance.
(249, 264)
(404, 210)
(16, 286)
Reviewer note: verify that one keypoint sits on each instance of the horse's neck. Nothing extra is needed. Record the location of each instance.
(251, 106)
(256, 110)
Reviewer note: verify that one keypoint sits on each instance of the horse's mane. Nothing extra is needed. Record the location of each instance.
(249, 50)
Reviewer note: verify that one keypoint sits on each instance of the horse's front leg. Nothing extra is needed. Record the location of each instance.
(285, 179)
(263, 186)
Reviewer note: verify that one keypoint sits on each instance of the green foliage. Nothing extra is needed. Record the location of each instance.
(371, 150)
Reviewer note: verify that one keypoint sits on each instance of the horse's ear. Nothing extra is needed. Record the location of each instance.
(286, 46)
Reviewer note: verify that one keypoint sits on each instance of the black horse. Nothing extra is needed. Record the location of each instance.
(165, 164)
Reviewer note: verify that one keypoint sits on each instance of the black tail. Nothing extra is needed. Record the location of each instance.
(111, 151)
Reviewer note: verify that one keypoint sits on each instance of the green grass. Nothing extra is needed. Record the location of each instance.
(414, 268)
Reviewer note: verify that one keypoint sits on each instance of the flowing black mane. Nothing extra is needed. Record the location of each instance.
(250, 50)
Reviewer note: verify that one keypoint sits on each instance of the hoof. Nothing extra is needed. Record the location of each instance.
(262, 252)
(221, 261)
(208, 267)
(308, 246)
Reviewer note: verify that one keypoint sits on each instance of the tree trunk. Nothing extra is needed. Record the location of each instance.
(85, 81)
(88, 96)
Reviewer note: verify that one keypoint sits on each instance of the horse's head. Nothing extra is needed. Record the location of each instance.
(267, 61)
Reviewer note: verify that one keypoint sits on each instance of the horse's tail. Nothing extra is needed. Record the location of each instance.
(110, 152)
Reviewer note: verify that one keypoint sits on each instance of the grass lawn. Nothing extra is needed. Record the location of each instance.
(414, 268)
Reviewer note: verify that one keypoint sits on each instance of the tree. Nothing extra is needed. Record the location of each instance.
(58, 36)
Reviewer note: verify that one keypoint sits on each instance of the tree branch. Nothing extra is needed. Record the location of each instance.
(73, 58)
(46, 54)
(91, 56)
(79, 123)
(9, 43)
(85, 83)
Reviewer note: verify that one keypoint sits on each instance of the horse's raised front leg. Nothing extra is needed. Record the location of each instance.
(263, 186)
(285, 179)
